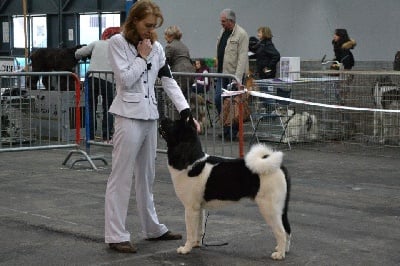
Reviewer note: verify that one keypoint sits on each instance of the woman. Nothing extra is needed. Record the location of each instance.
(266, 54)
(137, 58)
(178, 56)
(201, 84)
(341, 46)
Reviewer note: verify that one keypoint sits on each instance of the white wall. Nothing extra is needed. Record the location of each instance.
(300, 27)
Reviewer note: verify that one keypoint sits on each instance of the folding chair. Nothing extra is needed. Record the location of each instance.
(270, 117)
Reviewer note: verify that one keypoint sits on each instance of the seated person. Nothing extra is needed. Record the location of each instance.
(201, 84)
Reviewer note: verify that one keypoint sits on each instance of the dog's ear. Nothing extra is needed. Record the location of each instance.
(184, 114)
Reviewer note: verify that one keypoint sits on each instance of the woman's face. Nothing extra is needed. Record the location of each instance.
(146, 26)
(259, 35)
(336, 38)
(197, 64)
(168, 38)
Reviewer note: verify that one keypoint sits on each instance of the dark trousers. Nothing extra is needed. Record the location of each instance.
(228, 133)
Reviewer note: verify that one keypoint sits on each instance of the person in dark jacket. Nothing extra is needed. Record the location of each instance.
(341, 46)
(267, 56)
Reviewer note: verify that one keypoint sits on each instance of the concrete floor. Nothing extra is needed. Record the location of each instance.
(344, 210)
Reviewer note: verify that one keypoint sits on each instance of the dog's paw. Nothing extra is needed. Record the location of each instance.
(183, 250)
(277, 256)
(196, 244)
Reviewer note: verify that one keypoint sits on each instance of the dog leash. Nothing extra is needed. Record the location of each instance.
(204, 234)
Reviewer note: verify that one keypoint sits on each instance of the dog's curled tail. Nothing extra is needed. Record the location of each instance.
(262, 159)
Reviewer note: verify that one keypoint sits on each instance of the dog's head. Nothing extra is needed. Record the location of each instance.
(183, 142)
(178, 131)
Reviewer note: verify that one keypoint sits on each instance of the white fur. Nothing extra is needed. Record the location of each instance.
(297, 125)
(270, 198)
(297, 128)
(257, 164)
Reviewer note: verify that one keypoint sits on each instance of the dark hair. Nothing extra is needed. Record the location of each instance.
(344, 37)
(203, 65)
(139, 11)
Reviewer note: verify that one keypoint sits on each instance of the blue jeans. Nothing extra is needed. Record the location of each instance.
(221, 83)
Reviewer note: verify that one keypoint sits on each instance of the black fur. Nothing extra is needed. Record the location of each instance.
(230, 179)
(285, 219)
(53, 59)
(239, 183)
(184, 147)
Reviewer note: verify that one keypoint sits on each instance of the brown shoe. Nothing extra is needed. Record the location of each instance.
(167, 236)
(123, 247)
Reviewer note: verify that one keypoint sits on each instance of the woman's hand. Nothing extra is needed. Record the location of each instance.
(144, 48)
(198, 128)
(185, 114)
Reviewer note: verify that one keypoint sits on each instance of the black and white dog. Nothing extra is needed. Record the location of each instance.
(202, 181)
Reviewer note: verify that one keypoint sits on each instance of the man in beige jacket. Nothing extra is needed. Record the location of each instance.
(232, 57)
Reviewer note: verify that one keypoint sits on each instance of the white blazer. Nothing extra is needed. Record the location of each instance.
(135, 79)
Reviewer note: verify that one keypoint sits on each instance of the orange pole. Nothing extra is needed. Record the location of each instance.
(241, 141)
(77, 109)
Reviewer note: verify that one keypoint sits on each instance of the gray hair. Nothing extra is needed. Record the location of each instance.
(230, 15)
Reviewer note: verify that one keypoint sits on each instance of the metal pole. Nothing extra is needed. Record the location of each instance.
(24, 10)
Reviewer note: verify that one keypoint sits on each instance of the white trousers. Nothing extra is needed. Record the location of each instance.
(133, 155)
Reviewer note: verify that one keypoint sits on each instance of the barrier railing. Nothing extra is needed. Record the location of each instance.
(349, 106)
(360, 109)
(47, 117)
(99, 88)
(33, 117)
(99, 123)
(204, 107)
